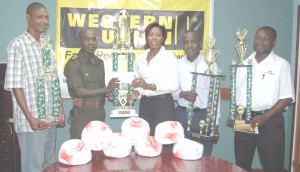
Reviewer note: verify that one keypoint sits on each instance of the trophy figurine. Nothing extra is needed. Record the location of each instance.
(241, 46)
(240, 112)
(207, 126)
(211, 54)
(239, 116)
(201, 125)
(123, 32)
(122, 59)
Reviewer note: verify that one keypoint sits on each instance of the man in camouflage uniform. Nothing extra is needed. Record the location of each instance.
(86, 84)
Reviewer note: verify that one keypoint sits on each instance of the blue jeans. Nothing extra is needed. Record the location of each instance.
(37, 149)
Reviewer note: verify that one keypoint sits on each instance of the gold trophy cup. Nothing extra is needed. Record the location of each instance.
(211, 54)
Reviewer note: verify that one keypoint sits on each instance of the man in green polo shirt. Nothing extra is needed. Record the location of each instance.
(86, 84)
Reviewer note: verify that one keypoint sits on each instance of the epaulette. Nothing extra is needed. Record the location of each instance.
(100, 60)
(74, 57)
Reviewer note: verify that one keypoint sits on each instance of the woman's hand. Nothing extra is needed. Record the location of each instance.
(138, 82)
(133, 96)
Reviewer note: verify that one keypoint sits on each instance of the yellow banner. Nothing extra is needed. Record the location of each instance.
(177, 17)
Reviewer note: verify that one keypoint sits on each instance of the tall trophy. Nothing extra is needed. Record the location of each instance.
(48, 77)
(207, 126)
(123, 60)
(240, 117)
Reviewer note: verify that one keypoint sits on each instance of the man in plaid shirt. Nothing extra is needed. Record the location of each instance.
(25, 65)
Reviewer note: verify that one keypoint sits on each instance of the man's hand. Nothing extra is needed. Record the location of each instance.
(229, 121)
(216, 135)
(188, 95)
(37, 124)
(61, 120)
(113, 83)
(43, 125)
(258, 120)
(110, 96)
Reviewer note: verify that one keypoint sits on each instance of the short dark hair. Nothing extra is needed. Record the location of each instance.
(34, 6)
(270, 29)
(152, 25)
(83, 31)
(200, 37)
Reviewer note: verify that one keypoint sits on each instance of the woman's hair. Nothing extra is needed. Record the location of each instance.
(152, 25)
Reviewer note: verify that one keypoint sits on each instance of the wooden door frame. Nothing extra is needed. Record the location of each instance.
(295, 160)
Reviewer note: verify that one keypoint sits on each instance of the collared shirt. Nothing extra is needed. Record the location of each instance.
(185, 67)
(161, 71)
(23, 68)
(271, 81)
(83, 72)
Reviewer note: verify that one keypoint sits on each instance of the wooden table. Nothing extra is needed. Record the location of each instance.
(166, 162)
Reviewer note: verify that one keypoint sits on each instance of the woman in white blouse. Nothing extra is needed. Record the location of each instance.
(155, 78)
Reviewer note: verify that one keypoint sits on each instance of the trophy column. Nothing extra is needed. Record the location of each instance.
(208, 126)
(239, 116)
(123, 60)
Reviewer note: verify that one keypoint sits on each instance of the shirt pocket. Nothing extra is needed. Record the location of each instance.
(269, 83)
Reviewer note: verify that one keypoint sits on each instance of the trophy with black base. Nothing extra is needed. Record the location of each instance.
(123, 60)
(240, 117)
(207, 126)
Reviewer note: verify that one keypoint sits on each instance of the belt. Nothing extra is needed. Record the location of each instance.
(161, 96)
(92, 103)
(186, 109)
(88, 102)
(255, 113)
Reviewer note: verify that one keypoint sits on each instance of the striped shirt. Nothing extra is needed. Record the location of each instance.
(23, 68)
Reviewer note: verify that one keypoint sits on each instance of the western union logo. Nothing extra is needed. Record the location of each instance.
(104, 21)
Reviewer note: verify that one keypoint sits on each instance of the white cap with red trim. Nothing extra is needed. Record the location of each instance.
(169, 132)
(148, 147)
(135, 128)
(119, 146)
(74, 152)
(188, 149)
(96, 135)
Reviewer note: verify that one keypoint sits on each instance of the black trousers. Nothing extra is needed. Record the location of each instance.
(157, 109)
(181, 116)
(270, 144)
